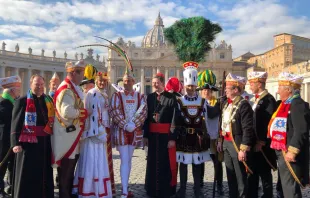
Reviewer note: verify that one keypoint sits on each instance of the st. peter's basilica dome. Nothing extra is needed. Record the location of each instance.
(155, 36)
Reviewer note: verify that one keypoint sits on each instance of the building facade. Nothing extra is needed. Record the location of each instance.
(156, 55)
(288, 50)
(25, 65)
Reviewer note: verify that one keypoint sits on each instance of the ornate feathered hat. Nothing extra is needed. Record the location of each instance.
(55, 78)
(207, 80)
(70, 66)
(287, 79)
(10, 82)
(191, 38)
(257, 76)
(233, 80)
(90, 73)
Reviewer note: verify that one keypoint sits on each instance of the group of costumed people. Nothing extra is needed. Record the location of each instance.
(74, 127)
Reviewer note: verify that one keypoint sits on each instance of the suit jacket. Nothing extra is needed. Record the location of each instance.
(263, 112)
(297, 137)
(242, 124)
(6, 108)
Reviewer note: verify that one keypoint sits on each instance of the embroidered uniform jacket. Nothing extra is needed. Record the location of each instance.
(69, 106)
(263, 111)
(122, 110)
(242, 123)
(298, 137)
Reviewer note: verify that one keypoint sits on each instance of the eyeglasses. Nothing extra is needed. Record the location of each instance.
(78, 71)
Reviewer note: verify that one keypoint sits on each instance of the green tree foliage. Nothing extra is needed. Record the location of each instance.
(191, 37)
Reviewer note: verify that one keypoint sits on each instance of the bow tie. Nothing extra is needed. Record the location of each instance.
(256, 96)
(128, 92)
(229, 101)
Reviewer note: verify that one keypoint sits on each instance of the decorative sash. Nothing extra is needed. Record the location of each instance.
(278, 125)
(29, 131)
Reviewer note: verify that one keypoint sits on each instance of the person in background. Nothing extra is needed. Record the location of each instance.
(31, 129)
(264, 105)
(92, 176)
(289, 133)
(160, 134)
(237, 137)
(54, 83)
(206, 85)
(69, 124)
(128, 111)
(11, 91)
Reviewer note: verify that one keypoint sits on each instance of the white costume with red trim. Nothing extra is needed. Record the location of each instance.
(128, 112)
(69, 111)
(123, 111)
(92, 176)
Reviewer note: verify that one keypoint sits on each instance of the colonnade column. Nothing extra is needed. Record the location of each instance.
(178, 73)
(27, 79)
(142, 81)
(154, 71)
(2, 71)
(306, 92)
(166, 74)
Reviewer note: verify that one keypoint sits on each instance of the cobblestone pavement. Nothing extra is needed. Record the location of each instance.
(138, 174)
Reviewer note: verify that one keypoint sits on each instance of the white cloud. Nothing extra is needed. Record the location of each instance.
(250, 25)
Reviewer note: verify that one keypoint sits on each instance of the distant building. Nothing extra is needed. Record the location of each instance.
(156, 55)
(25, 65)
(288, 50)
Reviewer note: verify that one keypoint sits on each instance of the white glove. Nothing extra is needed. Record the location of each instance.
(102, 137)
(130, 127)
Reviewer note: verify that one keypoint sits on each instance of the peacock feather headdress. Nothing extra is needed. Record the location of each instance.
(117, 49)
(191, 38)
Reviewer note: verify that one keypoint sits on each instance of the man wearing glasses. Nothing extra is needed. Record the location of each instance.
(69, 123)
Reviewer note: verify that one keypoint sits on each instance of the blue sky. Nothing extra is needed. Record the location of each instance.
(248, 25)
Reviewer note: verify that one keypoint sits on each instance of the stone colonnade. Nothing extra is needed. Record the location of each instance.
(26, 73)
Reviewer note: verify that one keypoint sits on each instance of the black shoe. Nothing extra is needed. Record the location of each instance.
(280, 194)
(220, 189)
(8, 190)
(181, 193)
(4, 195)
(198, 194)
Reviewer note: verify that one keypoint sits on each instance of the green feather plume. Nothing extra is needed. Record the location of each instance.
(191, 37)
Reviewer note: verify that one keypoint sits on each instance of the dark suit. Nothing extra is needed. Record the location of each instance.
(262, 114)
(297, 138)
(243, 134)
(6, 108)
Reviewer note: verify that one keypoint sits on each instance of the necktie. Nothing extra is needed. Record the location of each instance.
(229, 101)
(256, 96)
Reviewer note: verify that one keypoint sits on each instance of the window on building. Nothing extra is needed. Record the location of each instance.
(148, 72)
(121, 71)
(136, 54)
(162, 54)
(222, 55)
(171, 73)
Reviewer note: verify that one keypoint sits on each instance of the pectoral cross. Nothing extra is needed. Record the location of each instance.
(156, 117)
